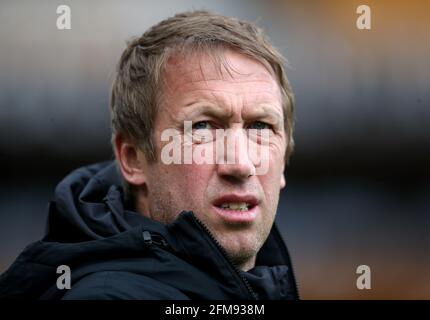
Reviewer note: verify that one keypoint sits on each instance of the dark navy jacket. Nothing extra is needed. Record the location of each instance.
(116, 253)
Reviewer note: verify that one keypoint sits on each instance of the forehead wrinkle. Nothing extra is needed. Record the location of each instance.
(264, 109)
(211, 99)
(194, 79)
(200, 73)
(225, 64)
(237, 88)
(273, 87)
(230, 97)
(267, 102)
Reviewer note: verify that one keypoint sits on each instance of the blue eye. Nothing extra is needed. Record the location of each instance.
(201, 125)
(259, 125)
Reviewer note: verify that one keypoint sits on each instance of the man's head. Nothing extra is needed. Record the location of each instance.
(218, 73)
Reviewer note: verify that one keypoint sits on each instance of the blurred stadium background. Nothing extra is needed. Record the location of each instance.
(357, 188)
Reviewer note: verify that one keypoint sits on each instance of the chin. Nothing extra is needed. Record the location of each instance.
(240, 245)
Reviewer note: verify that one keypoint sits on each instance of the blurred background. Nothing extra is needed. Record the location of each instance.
(357, 187)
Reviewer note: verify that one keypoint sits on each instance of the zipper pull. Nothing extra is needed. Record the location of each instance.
(147, 238)
(156, 239)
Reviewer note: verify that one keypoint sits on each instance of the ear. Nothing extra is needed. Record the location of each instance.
(131, 161)
(282, 182)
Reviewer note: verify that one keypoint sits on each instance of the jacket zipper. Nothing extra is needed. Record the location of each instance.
(227, 257)
(151, 238)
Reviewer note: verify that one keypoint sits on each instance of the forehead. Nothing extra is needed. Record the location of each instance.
(225, 72)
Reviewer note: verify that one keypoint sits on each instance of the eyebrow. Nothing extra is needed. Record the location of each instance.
(205, 108)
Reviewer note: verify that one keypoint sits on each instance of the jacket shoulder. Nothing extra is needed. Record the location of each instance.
(120, 285)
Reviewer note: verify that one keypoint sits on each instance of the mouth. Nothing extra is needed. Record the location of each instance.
(236, 208)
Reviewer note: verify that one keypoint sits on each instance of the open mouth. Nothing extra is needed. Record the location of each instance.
(238, 206)
(234, 208)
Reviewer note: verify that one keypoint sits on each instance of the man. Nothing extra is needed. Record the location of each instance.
(148, 227)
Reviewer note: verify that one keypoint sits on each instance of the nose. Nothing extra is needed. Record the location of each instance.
(234, 162)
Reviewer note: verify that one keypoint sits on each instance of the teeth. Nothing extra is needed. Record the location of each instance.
(240, 206)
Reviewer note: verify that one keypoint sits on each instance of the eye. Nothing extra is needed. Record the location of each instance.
(202, 132)
(201, 125)
(259, 125)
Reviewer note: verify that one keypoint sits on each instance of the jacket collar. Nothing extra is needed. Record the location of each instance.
(90, 205)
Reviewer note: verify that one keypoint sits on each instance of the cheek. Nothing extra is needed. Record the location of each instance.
(271, 181)
(188, 180)
(276, 163)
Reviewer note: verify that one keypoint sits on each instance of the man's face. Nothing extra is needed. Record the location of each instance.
(236, 204)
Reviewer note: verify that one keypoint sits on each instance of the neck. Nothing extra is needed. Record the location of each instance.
(245, 264)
